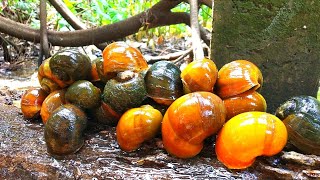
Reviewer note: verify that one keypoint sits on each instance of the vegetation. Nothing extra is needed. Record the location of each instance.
(98, 12)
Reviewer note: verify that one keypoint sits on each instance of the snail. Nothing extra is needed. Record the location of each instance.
(62, 69)
(104, 114)
(199, 76)
(248, 135)
(138, 125)
(64, 130)
(119, 57)
(301, 115)
(237, 77)
(189, 120)
(83, 94)
(51, 103)
(31, 102)
(244, 102)
(124, 92)
(163, 82)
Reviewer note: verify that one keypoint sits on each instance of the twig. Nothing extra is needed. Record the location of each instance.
(195, 30)
(6, 53)
(44, 50)
(187, 52)
(172, 56)
(71, 18)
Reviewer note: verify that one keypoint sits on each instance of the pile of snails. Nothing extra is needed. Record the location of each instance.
(183, 106)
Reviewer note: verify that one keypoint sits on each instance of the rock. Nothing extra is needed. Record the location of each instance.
(281, 37)
(23, 155)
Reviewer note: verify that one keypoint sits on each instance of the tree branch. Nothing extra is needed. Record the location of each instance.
(71, 18)
(44, 44)
(67, 14)
(104, 33)
(195, 29)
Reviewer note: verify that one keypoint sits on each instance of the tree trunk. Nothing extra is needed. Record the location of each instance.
(281, 37)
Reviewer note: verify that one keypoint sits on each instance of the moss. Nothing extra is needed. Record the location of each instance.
(280, 36)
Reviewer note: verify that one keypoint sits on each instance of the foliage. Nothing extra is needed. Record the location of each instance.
(97, 13)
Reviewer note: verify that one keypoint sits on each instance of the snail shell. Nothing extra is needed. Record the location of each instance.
(199, 76)
(51, 103)
(31, 102)
(248, 135)
(138, 125)
(119, 56)
(83, 94)
(301, 115)
(64, 130)
(104, 114)
(163, 82)
(189, 120)
(124, 92)
(237, 77)
(62, 69)
(244, 102)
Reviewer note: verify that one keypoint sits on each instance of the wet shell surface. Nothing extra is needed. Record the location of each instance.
(163, 82)
(199, 76)
(301, 115)
(248, 135)
(83, 94)
(64, 130)
(238, 77)
(51, 103)
(31, 102)
(119, 57)
(189, 120)
(138, 125)
(244, 102)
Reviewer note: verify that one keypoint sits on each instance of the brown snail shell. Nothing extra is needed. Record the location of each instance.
(163, 82)
(83, 94)
(64, 130)
(301, 115)
(62, 69)
(244, 102)
(119, 57)
(124, 92)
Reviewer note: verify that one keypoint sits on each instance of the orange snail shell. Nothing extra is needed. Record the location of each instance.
(119, 56)
(244, 102)
(31, 102)
(199, 76)
(237, 77)
(189, 120)
(248, 135)
(138, 125)
(51, 103)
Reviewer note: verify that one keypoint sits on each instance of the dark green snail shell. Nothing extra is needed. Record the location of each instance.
(64, 130)
(163, 81)
(83, 94)
(125, 91)
(70, 65)
(301, 115)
